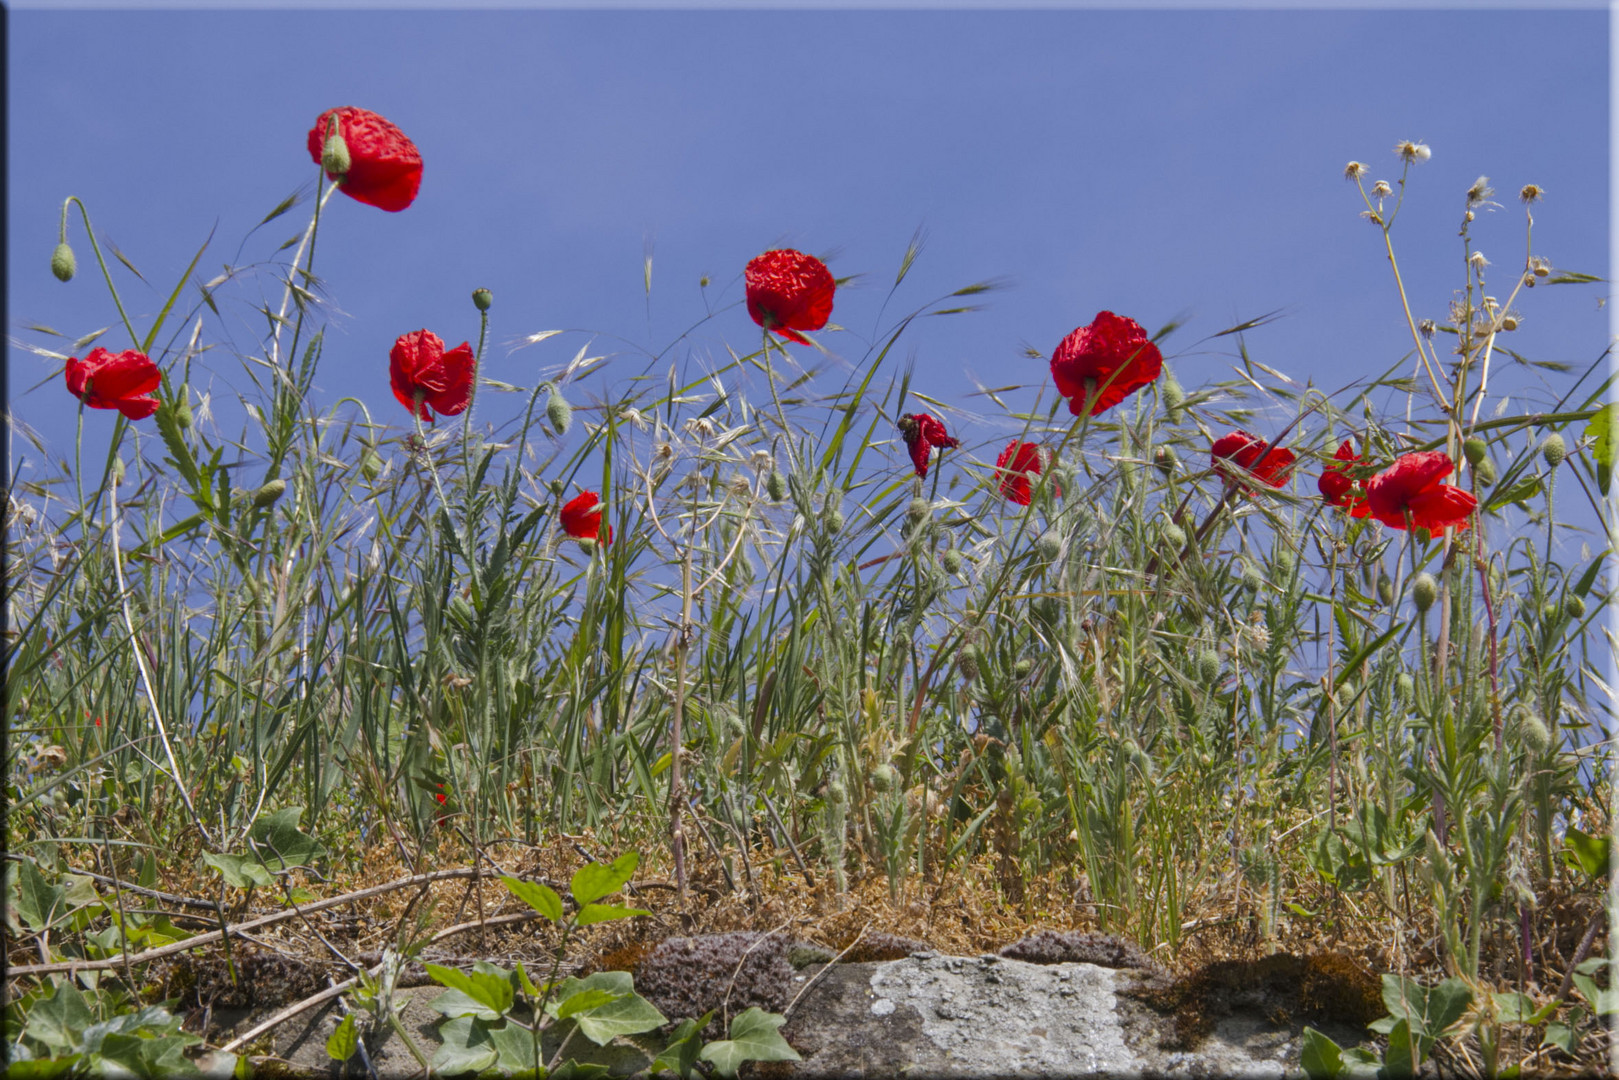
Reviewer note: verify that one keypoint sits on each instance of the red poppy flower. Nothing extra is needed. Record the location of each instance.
(922, 433)
(1409, 493)
(385, 168)
(582, 519)
(419, 368)
(789, 291)
(1112, 355)
(1339, 488)
(440, 796)
(1018, 465)
(122, 381)
(1240, 456)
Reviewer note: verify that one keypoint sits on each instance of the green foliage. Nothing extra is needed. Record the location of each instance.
(754, 1037)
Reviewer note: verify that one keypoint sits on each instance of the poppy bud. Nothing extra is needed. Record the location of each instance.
(1174, 535)
(1385, 590)
(1424, 591)
(334, 155)
(558, 411)
(182, 410)
(1574, 607)
(918, 510)
(1485, 471)
(883, 778)
(950, 561)
(836, 793)
(969, 662)
(482, 298)
(1252, 578)
(776, 486)
(1474, 450)
(1535, 735)
(834, 521)
(63, 264)
(1022, 668)
(1174, 396)
(269, 492)
(1049, 546)
(587, 545)
(1405, 685)
(1284, 561)
(1208, 665)
(1164, 458)
(118, 469)
(1554, 450)
(370, 463)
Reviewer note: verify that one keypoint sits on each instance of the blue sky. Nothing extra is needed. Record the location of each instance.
(1155, 163)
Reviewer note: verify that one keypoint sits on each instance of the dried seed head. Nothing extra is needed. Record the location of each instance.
(1372, 216)
(741, 486)
(1354, 171)
(762, 460)
(63, 264)
(1424, 591)
(1478, 260)
(1427, 328)
(1509, 321)
(1382, 190)
(1540, 266)
(1480, 191)
(1553, 449)
(1413, 151)
(1531, 193)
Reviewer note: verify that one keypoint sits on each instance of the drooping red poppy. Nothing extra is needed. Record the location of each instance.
(1018, 465)
(582, 519)
(1112, 355)
(1339, 488)
(385, 168)
(789, 291)
(1409, 493)
(122, 381)
(922, 433)
(1241, 457)
(419, 368)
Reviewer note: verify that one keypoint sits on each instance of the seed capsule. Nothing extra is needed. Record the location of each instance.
(1424, 591)
(269, 492)
(482, 298)
(1553, 449)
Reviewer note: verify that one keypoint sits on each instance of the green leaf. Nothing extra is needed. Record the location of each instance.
(60, 1020)
(1521, 492)
(596, 880)
(38, 902)
(180, 455)
(680, 1054)
(754, 1037)
(1562, 1036)
(626, 1014)
(42, 1068)
(153, 1058)
(491, 990)
(1447, 1002)
(1403, 1055)
(341, 1044)
(239, 871)
(1321, 1059)
(541, 898)
(1592, 855)
(584, 1001)
(1603, 1002)
(456, 1004)
(1600, 430)
(514, 1049)
(280, 844)
(1513, 1007)
(591, 914)
(466, 1047)
(578, 1070)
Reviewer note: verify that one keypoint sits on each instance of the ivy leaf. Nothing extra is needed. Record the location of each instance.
(1321, 1058)
(754, 1037)
(38, 902)
(626, 1013)
(490, 989)
(680, 1055)
(276, 839)
(466, 1047)
(59, 1020)
(514, 1049)
(596, 880)
(239, 871)
(1593, 855)
(591, 914)
(584, 1001)
(541, 898)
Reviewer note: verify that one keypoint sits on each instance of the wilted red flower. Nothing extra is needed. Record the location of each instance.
(385, 167)
(1339, 488)
(1409, 493)
(424, 375)
(789, 291)
(1018, 465)
(122, 381)
(922, 433)
(582, 519)
(1113, 354)
(1253, 458)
